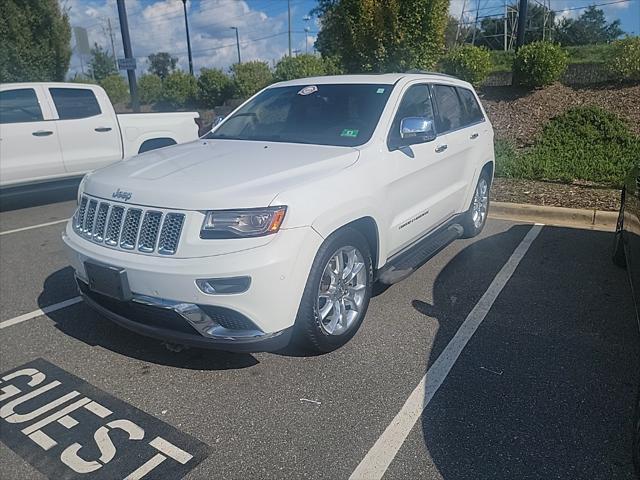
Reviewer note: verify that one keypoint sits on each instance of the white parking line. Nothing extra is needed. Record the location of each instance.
(40, 311)
(377, 460)
(34, 226)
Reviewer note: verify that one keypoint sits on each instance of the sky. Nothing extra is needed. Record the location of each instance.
(158, 25)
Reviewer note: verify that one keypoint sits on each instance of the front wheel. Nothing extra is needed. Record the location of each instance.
(476, 217)
(337, 294)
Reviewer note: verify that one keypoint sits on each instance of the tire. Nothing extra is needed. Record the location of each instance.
(617, 252)
(471, 223)
(317, 312)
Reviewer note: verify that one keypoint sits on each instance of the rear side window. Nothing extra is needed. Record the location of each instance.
(472, 111)
(19, 106)
(450, 114)
(75, 103)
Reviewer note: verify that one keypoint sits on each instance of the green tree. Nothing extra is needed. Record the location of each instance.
(162, 64)
(589, 28)
(34, 41)
(394, 35)
(249, 77)
(624, 63)
(102, 63)
(289, 68)
(150, 88)
(469, 63)
(179, 89)
(116, 87)
(214, 87)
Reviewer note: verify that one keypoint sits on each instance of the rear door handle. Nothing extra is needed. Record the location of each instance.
(42, 133)
(441, 148)
(474, 136)
(103, 129)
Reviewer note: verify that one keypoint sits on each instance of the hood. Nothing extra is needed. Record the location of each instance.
(217, 174)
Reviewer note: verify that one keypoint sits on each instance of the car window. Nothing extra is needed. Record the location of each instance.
(472, 111)
(323, 114)
(19, 105)
(450, 114)
(416, 102)
(75, 103)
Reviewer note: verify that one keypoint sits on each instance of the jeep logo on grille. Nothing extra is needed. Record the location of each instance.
(121, 195)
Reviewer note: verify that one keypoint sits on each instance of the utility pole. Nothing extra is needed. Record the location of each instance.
(237, 42)
(128, 54)
(113, 43)
(522, 23)
(186, 26)
(289, 14)
(306, 19)
(475, 23)
(464, 4)
(505, 25)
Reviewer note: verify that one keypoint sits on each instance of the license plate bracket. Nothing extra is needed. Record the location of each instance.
(108, 280)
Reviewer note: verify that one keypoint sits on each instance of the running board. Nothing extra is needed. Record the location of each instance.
(408, 262)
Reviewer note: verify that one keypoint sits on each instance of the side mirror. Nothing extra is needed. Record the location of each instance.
(415, 130)
(216, 121)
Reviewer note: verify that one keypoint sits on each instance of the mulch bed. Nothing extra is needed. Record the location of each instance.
(554, 194)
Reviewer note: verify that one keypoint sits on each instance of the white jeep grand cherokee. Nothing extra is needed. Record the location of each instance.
(278, 222)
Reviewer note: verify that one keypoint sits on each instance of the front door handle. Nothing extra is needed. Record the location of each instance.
(474, 136)
(103, 129)
(441, 148)
(42, 133)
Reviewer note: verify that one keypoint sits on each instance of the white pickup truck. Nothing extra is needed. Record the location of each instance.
(52, 131)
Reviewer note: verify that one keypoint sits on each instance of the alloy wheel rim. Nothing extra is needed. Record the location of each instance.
(342, 290)
(480, 203)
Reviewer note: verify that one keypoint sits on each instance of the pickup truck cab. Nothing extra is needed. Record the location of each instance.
(52, 131)
(277, 223)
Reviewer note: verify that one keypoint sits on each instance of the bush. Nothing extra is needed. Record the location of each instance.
(179, 89)
(250, 77)
(214, 87)
(507, 160)
(468, 62)
(624, 63)
(586, 143)
(150, 88)
(116, 87)
(539, 64)
(290, 68)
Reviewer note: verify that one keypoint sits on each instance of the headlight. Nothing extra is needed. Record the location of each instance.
(254, 222)
(81, 188)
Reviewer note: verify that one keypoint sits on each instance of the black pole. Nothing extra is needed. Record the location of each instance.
(522, 22)
(128, 54)
(237, 43)
(186, 25)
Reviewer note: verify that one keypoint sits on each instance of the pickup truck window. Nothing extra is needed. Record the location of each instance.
(19, 106)
(450, 114)
(416, 102)
(324, 114)
(73, 103)
(473, 113)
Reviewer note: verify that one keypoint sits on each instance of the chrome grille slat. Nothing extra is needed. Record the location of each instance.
(127, 227)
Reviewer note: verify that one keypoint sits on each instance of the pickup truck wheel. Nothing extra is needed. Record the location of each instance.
(336, 297)
(476, 216)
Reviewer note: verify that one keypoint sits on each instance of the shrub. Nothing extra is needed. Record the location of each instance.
(250, 77)
(179, 89)
(468, 62)
(150, 88)
(214, 87)
(585, 143)
(116, 87)
(539, 64)
(624, 63)
(289, 68)
(507, 160)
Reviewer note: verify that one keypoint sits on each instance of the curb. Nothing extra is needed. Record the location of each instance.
(559, 216)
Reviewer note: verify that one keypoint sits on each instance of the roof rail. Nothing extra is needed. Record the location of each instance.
(425, 72)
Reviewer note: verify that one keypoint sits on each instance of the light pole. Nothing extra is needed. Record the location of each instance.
(237, 42)
(186, 25)
(128, 54)
(306, 19)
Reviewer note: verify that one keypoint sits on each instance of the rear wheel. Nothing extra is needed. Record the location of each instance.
(336, 297)
(476, 217)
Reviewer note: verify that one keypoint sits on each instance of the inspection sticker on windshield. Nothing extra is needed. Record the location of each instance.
(308, 90)
(380, 90)
(349, 132)
(69, 429)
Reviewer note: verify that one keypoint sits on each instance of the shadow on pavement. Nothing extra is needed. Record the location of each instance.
(16, 198)
(88, 326)
(546, 387)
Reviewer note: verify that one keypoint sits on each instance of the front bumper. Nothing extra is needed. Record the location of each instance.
(278, 272)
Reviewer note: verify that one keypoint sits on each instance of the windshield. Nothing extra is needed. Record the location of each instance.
(330, 114)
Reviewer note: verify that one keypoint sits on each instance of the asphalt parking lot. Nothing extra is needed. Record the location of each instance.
(544, 388)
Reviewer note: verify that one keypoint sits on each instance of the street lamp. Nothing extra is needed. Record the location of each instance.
(186, 25)
(237, 42)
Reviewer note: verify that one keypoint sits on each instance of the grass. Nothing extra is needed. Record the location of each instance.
(502, 61)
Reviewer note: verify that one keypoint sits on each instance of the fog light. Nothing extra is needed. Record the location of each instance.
(223, 286)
